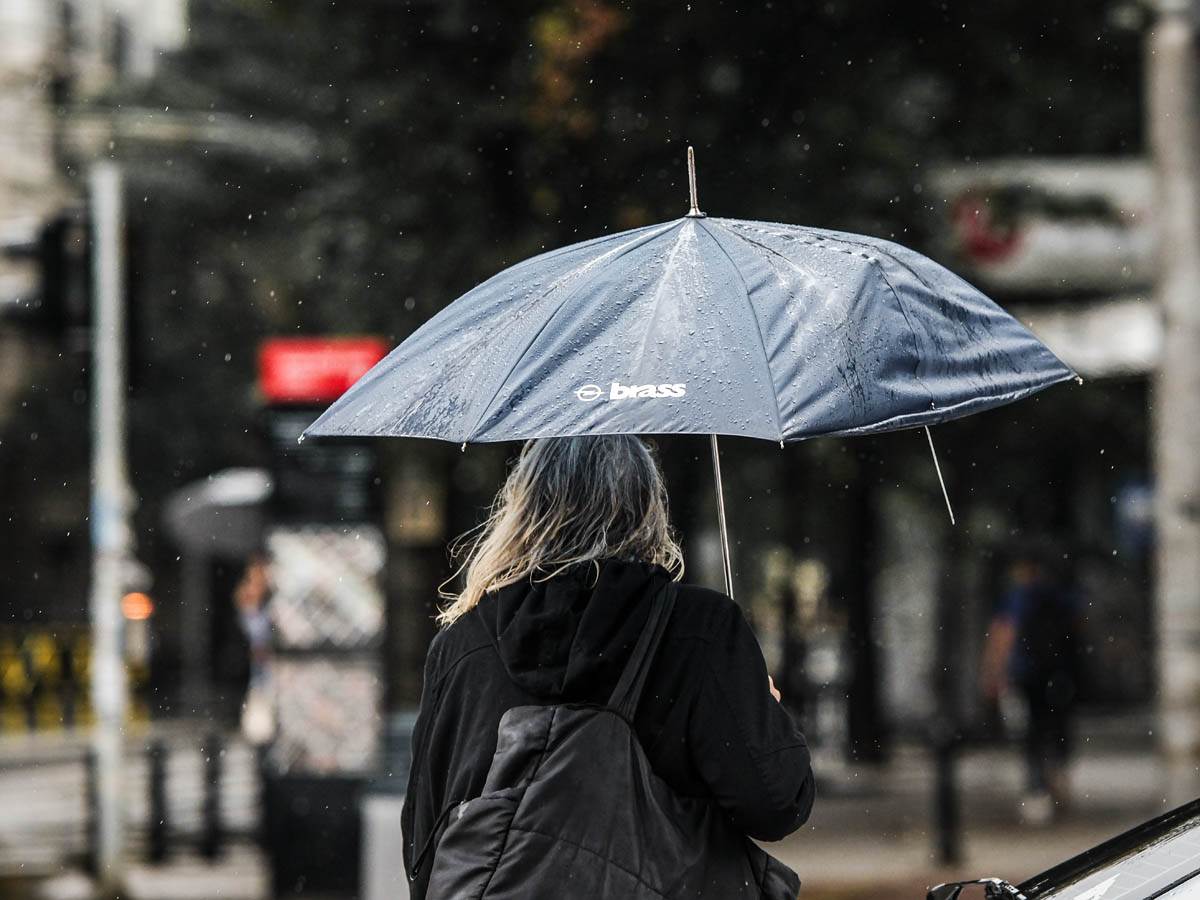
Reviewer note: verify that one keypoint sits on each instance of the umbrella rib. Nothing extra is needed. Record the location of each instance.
(762, 344)
(912, 331)
(658, 297)
(886, 280)
(879, 248)
(942, 414)
(617, 254)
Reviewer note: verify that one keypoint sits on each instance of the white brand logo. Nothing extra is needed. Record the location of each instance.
(618, 391)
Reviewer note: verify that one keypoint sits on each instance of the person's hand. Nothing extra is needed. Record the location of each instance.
(774, 690)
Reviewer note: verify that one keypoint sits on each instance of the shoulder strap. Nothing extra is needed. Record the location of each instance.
(628, 691)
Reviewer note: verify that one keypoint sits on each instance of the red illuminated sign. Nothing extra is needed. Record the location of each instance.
(314, 370)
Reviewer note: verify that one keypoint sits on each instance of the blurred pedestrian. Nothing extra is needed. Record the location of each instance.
(250, 596)
(1031, 647)
(558, 588)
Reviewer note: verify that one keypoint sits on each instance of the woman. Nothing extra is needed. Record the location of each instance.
(556, 592)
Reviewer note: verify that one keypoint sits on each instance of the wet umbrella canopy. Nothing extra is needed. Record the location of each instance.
(702, 326)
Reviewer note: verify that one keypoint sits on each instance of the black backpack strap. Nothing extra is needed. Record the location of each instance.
(628, 691)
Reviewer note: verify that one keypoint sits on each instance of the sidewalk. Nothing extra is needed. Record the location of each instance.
(43, 831)
(35, 748)
(871, 831)
(874, 828)
(241, 874)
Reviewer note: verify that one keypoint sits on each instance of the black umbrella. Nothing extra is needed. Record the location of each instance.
(702, 326)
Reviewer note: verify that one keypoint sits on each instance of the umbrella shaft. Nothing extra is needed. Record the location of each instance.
(725, 561)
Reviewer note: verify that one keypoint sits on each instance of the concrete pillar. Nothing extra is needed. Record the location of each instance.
(1172, 110)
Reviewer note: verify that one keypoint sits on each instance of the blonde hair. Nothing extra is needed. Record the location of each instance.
(567, 501)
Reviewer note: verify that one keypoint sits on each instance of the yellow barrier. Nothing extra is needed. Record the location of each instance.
(44, 679)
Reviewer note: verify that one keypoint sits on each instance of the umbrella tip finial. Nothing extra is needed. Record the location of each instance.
(694, 212)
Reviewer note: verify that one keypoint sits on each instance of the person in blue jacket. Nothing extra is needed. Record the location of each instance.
(1032, 648)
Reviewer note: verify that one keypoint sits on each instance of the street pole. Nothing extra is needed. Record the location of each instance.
(947, 721)
(112, 538)
(1172, 107)
(195, 615)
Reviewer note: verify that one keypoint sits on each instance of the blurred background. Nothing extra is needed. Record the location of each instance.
(216, 214)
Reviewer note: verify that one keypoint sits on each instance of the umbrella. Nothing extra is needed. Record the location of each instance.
(702, 325)
(221, 515)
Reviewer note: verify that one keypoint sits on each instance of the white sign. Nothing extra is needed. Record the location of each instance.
(1100, 338)
(1058, 226)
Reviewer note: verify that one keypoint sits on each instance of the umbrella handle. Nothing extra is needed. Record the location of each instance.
(725, 561)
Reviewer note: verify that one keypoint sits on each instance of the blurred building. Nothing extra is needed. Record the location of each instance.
(1069, 246)
(58, 59)
(56, 56)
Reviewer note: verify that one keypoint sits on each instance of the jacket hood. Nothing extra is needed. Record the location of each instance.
(570, 636)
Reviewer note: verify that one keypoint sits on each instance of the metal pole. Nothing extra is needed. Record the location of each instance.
(211, 836)
(1172, 98)
(196, 615)
(159, 812)
(725, 561)
(91, 862)
(112, 538)
(946, 796)
(946, 725)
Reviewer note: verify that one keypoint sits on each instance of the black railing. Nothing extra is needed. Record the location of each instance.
(175, 823)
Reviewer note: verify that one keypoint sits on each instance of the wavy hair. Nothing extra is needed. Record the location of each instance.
(567, 501)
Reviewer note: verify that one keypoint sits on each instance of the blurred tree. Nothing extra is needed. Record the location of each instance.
(454, 138)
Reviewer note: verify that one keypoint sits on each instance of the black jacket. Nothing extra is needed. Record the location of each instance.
(707, 720)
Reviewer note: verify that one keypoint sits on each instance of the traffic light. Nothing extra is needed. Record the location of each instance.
(47, 283)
